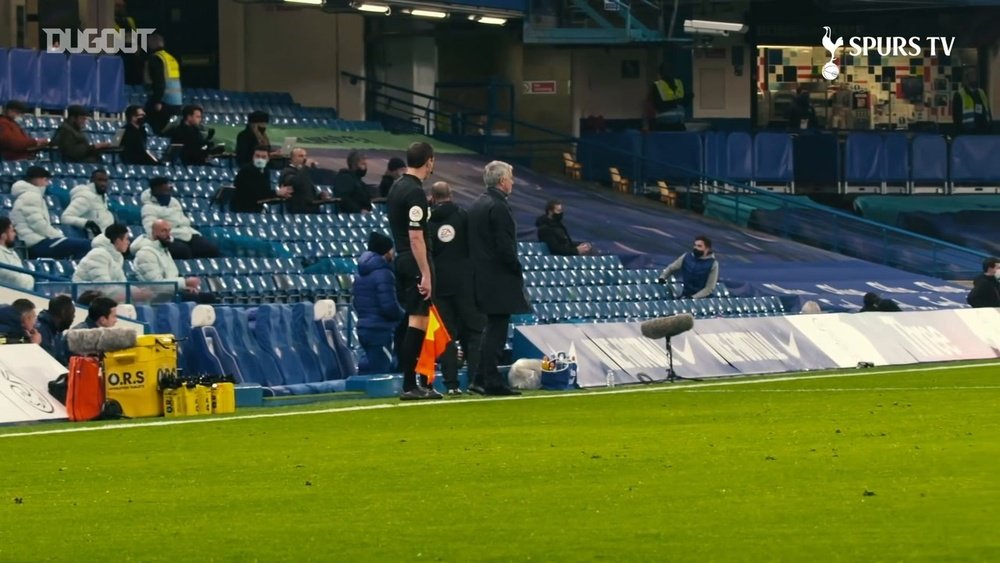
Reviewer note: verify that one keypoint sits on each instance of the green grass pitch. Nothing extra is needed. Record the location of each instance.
(867, 467)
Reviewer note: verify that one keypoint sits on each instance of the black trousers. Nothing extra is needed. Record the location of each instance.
(465, 324)
(197, 247)
(494, 339)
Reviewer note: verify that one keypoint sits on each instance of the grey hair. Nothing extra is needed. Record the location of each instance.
(811, 308)
(440, 191)
(496, 171)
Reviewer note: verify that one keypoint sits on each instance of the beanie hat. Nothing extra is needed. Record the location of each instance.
(379, 243)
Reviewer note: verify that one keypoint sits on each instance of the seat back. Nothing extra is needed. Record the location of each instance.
(772, 158)
(275, 341)
(82, 80)
(52, 81)
(345, 357)
(21, 72)
(929, 155)
(864, 159)
(306, 330)
(739, 157)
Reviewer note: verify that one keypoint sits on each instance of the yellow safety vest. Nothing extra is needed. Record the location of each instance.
(171, 78)
(969, 105)
(668, 94)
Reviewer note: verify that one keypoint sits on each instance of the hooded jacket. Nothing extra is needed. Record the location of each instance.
(173, 213)
(87, 205)
(10, 277)
(53, 339)
(102, 264)
(375, 294)
(153, 262)
(11, 329)
(30, 214)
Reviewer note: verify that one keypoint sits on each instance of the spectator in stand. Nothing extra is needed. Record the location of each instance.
(348, 187)
(873, 302)
(51, 325)
(699, 270)
(252, 138)
(375, 301)
(88, 205)
(163, 74)
(970, 106)
(665, 101)
(15, 143)
(153, 263)
(73, 143)
(8, 236)
(106, 260)
(196, 148)
(986, 287)
(158, 202)
(17, 323)
(298, 175)
(392, 172)
(553, 233)
(134, 138)
(31, 218)
(102, 312)
(132, 62)
(253, 185)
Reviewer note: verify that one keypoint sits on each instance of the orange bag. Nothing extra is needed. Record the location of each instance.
(85, 393)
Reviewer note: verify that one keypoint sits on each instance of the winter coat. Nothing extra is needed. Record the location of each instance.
(102, 264)
(153, 262)
(554, 234)
(499, 280)
(30, 214)
(10, 277)
(87, 205)
(173, 213)
(375, 294)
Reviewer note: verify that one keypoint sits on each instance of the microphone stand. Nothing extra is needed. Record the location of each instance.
(672, 376)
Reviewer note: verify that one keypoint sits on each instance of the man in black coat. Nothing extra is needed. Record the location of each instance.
(453, 293)
(253, 185)
(499, 281)
(986, 289)
(553, 233)
(298, 175)
(134, 138)
(348, 187)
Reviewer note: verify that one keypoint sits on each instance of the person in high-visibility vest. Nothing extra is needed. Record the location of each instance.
(163, 83)
(970, 108)
(666, 101)
(132, 61)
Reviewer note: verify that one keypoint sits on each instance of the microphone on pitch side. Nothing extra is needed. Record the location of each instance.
(93, 341)
(667, 327)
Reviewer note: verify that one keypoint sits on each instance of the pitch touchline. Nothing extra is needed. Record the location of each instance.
(644, 389)
(843, 389)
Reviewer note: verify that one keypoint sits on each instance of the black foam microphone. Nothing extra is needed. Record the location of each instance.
(667, 327)
(92, 341)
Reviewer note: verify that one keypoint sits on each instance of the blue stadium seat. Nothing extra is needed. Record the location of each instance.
(773, 161)
(110, 85)
(4, 75)
(864, 163)
(739, 157)
(307, 335)
(274, 337)
(674, 157)
(897, 162)
(21, 73)
(254, 365)
(333, 331)
(52, 81)
(974, 165)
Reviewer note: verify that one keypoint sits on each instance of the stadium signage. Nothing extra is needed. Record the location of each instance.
(96, 41)
(885, 46)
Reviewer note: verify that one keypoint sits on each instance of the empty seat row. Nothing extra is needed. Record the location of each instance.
(350, 220)
(634, 311)
(234, 266)
(53, 81)
(536, 262)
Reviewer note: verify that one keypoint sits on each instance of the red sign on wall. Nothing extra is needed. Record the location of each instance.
(539, 86)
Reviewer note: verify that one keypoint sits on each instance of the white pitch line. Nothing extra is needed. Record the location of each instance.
(643, 389)
(845, 389)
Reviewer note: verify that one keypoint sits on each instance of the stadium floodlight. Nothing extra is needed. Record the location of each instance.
(310, 2)
(489, 20)
(428, 14)
(373, 8)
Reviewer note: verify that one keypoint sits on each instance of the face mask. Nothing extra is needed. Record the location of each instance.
(163, 199)
(361, 172)
(698, 253)
(557, 216)
(260, 163)
(262, 128)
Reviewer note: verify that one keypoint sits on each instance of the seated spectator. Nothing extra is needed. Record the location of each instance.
(153, 263)
(379, 311)
(134, 138)
(986, 288)
(73, 143)
(253, 185)
(348, 187)
(17, 323)
(298, 175)
(102, 312)
(251, 138)
(196, 145)
(553, 233)
(106, 260)
(395, 169)
(15, 143)
(699, 270)
(11, 278)
(88, 205)
(874, 302)
(51, 325)
(158, 203)
(31, 218)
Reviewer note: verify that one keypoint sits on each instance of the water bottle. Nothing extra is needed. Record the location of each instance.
(610, 377)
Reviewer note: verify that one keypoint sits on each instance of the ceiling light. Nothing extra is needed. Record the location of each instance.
(373, 8)
(491, 20)
(310, 2)
(428, 14)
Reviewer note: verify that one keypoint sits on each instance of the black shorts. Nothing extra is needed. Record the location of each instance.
(407, 278)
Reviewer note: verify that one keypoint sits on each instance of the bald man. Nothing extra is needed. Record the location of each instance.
(153, 263)
(448, 229)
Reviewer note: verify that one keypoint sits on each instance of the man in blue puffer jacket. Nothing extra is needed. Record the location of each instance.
(699, 270)
(375, 302)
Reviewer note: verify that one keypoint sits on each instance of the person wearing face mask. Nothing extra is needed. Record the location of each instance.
(970, 108)
(134, 138)
(153, 263)
(73, 143)
(253, 185)
(699, 270)
(51, 325)
(8, 236)
(88, 205)
(298, 174)
(348, 187)
(252, 138)
(986, 287)
(553, 233)
(15, 143)
(158, 202)
(31, 218)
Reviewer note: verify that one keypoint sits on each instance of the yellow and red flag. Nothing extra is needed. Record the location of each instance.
(436, 340)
